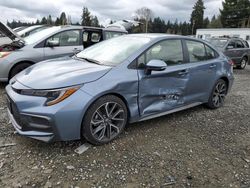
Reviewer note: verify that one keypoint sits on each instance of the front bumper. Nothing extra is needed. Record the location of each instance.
(60, 122)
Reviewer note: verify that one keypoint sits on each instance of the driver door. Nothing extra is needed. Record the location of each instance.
(161, 91)
(68, 44)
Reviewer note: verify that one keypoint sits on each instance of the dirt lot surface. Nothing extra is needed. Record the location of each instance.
(193, 148)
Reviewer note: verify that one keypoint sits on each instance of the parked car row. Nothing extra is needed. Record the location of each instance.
(47, 43)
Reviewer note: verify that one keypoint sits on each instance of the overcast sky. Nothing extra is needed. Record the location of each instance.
(30, 10)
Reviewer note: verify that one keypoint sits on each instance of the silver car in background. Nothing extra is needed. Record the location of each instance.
(53, 42)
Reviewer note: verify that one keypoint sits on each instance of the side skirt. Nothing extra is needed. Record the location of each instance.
(171, 111)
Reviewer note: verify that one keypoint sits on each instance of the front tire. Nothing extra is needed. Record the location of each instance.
(104, 120)
(218, 95)
(18, 68)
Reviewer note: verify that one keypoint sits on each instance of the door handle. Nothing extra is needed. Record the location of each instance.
(76, 50)
(183, 72)
(212, 66)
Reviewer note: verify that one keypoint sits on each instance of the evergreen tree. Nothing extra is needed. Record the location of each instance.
(49, 20)
(44, 21)
(63, 19)
(86, 17)
(206, 22)
(197, 16)
(57, 22)
(215, 22)
(95, 21)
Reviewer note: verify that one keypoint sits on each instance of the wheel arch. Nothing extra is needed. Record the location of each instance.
(226, 80)
(16, 64)
(103, 95)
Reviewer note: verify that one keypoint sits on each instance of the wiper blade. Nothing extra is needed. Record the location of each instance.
(89, 60)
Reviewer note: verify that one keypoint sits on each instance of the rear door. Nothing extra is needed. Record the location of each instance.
(69, 44)
(202, 71)
(165, 90)
(91, 37)
(231, 51)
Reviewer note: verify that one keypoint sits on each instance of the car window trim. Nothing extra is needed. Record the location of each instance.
(45, 41)
(204, 44)
(134, 64)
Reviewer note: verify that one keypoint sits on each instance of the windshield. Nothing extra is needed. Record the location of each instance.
(220, 43)
(114, 51)
(40, 35)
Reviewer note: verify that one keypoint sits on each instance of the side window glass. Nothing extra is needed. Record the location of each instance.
(231, 44)
(85, 36)
(95, 37)
(239, 44)
(196, 51)
(66, 38)
(112, 34)
(169, 51)
(211, 54)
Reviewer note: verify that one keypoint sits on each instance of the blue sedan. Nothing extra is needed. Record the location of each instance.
(94, 94)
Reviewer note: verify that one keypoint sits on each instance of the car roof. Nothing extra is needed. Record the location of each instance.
(161, 36)
(92, 28)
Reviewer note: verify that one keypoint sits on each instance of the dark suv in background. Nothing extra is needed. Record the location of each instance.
(235, 48)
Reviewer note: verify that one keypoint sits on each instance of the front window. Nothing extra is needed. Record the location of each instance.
(169, 51)
(40, 35)
(114, 51)
(66, 38)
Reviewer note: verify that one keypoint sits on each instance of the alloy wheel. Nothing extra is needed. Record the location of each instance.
(219, 94)
(243, 63)
(107, 121)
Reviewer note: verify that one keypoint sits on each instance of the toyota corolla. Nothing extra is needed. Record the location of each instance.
(94, 94)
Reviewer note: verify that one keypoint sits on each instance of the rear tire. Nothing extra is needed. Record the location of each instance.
(243, 63)
(18, 68)
(104, 120)
(218, 95)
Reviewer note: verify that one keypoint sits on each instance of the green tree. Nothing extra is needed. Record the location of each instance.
(44, 20)
(49, 20)
(57, 22)
(94, 21)
(197, 16)
(215, 22)
(206, 22)
(158, 25)
(63, 19)
(86, 17)
(235, 13)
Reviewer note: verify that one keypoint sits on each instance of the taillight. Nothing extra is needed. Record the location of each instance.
(4, 54)
(231, 62)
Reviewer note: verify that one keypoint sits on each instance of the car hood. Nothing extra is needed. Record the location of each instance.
(4, 29)
(59, 73)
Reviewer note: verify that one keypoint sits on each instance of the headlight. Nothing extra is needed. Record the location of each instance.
(53, 96)
(4, 54)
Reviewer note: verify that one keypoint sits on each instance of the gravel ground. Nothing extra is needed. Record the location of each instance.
(193, 148)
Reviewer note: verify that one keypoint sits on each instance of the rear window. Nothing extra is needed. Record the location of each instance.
(220, 43)
(199, 51)
(112, 34)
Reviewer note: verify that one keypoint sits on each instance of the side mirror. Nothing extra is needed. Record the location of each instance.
(53, 43)
(155, 65)
(230, 47)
